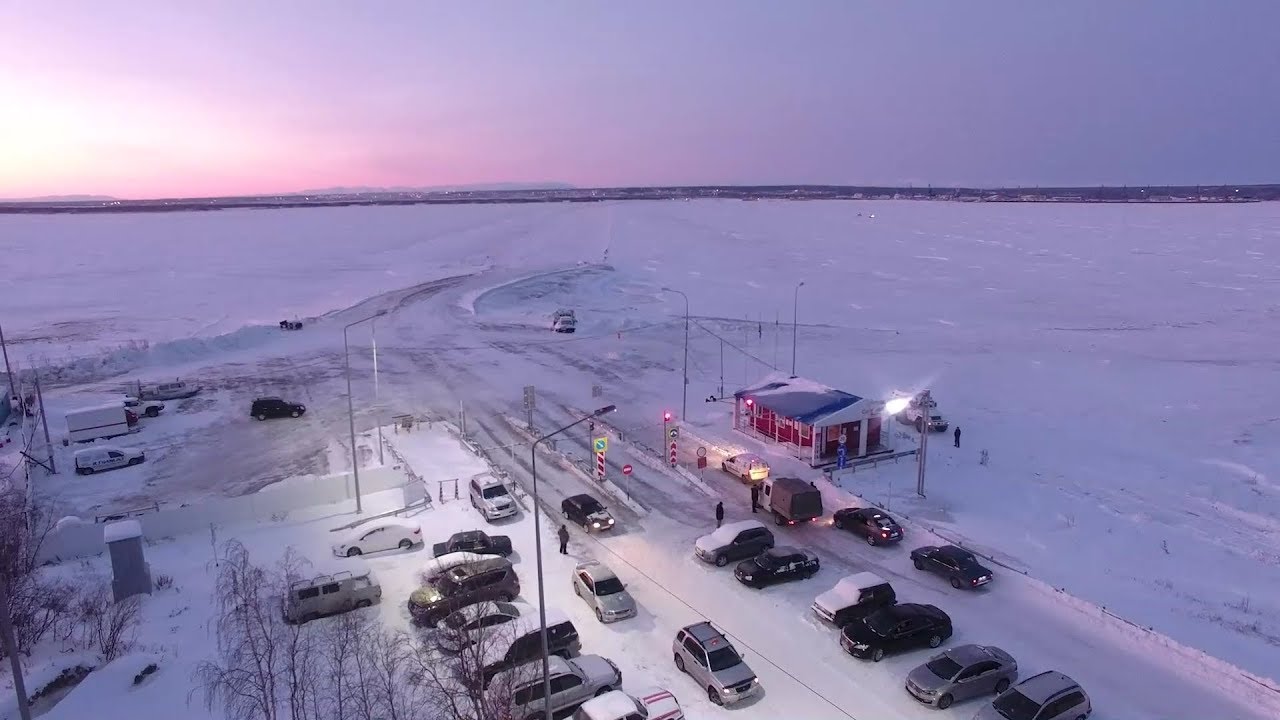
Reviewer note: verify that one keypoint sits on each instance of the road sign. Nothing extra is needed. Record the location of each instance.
(601, 444)
(529, 398)
(841, 456)
(626, 469)
(600, 466)
(674, 433)
(673, 453)
(702, 452)
(702, 462)
(844, 438)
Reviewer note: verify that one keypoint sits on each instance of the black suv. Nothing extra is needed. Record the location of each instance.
(586, 511)
(873, 525)
(733, 541)
(895, 628)
(491, 579)
(956, 564)
(274, 407)
(776, 565)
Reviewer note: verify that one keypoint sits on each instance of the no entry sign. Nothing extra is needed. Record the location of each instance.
(626, 469)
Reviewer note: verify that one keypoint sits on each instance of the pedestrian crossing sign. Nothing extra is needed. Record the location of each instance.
(601, 444)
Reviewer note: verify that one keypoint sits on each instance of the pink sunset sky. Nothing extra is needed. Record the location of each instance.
(152, 98)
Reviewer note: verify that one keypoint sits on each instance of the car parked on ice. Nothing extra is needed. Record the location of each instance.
(487, 580)
(1050, 695)
(703, 652)
(603, 590)
(106, 457)
(461, 628)
(748, 467)
(958, 565)
(274, 407)
(520, 642)
(573, 682)
(853, 598)
(875, 526)
(777, 565)
(377, 535)
(646, 704)
(322, 595)
(894, 629)
(586, 511)
(489, 495)
(148, 408)
(733, 541)
(475, 541)
(961, 673)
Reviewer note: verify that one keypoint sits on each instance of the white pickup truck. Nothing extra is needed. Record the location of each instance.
(564, 321)
(917, 410)
(149, 408)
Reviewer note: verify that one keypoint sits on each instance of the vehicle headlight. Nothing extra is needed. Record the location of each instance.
(595, 524)
(746, 577)
(860, 646)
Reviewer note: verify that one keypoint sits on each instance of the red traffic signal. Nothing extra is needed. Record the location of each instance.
(750, 402)
(666, 417)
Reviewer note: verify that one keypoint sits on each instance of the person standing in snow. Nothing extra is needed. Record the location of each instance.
(755, 497)
(719, 513)
(956, 434)
(563, 534)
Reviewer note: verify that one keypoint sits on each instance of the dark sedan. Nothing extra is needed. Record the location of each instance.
(876, 527)
(894, 629)
(776, 565)
(956, 564)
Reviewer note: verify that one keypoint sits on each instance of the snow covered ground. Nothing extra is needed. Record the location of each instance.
(1113, 360)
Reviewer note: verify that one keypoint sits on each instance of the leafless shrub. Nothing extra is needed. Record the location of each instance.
(37, 605)
(164, 582)
(108, 627)
(456, 686)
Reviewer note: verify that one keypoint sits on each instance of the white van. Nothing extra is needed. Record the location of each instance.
(106, 457)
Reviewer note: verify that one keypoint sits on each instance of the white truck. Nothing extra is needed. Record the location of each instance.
(176, 389)
(100, 421)
(564, 321)
(918, 409)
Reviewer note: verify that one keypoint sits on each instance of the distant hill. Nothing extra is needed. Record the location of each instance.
(61, 198)
(478, 187)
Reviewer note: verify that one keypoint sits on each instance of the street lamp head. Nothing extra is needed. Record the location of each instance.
(896, 405)
(604, 410)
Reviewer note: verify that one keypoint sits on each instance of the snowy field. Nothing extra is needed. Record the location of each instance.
(1113, 360)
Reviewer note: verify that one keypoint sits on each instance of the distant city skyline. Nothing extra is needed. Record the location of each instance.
(152, 99)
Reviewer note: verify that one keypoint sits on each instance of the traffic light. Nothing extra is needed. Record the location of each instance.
(666, 417)
(750, 402)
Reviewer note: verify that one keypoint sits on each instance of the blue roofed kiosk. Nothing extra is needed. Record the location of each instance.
(806, 418)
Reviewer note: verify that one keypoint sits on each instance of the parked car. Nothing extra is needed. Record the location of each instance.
(573, 682)
(178, 389)
(776, 565)
(149, 408)
(853, 598)
(106, 457)
(490, 496)
(960, 673)
(733, 541)
(564, 321)
(603, 590)
(956, 564)
(875, 526)
(646, 704)
(274, 407)
(377, 535)
(749, 467)
(586, 511)
(489, 579)
(1050, 695)
(475, 541)
(329, 594)
(895, 628)
(462, 627)
(520, 642)
(710, 659)
(437, 567)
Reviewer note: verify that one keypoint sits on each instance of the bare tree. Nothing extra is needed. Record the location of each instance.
(298, 642)
(37, 605)
(106, 626)
(466, 685)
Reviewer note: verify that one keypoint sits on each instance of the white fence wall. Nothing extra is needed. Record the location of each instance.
(73, 540)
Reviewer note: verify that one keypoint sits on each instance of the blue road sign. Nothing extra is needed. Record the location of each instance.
(841, 455)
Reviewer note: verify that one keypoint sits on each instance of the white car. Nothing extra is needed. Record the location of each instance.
(437, 567)
(106, 457)
(490, 496)
(748, 466)
(377, 535)
(141, 408)
(648, 704)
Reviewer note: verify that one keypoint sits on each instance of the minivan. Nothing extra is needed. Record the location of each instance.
(329, 594)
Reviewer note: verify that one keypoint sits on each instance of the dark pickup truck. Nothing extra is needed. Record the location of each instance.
(474, 541)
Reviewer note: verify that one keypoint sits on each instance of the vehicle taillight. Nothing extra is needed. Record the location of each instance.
(884, 534)
(973, 581)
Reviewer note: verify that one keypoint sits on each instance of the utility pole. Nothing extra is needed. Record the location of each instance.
(795, 326)
(11, 649)
(13, 389)
(720, 390)
(925, 400)
(44, 420)
(377, 399)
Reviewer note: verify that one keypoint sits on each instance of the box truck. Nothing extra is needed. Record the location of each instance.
(101, 421)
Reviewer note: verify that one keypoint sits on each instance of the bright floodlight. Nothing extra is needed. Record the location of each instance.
(896, 405)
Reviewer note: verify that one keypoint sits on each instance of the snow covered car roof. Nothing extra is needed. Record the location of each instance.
(438, 566)
(521, 626)
(392, 522)
(847, 591)
(659, 705)
(725, 535)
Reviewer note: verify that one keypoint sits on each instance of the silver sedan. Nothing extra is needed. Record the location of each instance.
(603, 590)
(962, 672)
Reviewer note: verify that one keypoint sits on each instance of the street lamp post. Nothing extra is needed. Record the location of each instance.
(377, 397)
(795, 325)
(537, 543)
(351, 411)
(684, 396)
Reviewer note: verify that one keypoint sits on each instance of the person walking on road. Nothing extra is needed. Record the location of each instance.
(563, 534)
(956, 434)
(719, 513)
(755, 497)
